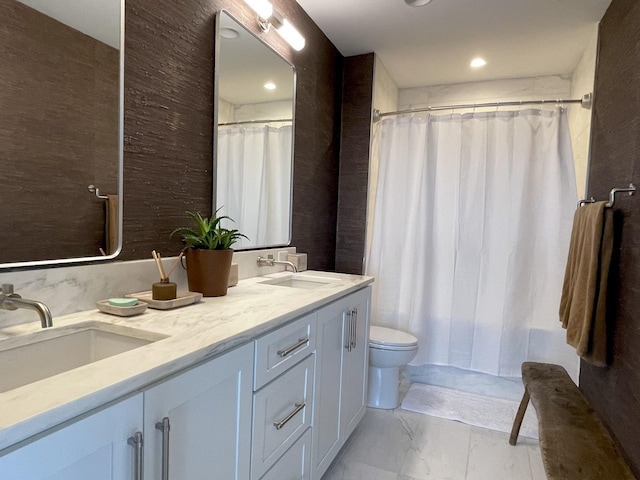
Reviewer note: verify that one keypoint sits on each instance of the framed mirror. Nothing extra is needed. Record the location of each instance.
(253, 136)
(61, 79)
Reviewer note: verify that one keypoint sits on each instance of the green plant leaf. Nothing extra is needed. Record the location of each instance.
(207, 233)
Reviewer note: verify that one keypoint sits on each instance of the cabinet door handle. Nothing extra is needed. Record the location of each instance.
(348, 331)
(354, 338)
(164, 427)
(301, 342)
(283, 422)
(136, 442)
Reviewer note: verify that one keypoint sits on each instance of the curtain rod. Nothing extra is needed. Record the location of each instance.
(585, 102)
(256, 121)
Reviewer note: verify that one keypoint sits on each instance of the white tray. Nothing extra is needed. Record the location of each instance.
(183, 298)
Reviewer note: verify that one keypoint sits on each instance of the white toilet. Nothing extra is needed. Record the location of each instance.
(389, 349)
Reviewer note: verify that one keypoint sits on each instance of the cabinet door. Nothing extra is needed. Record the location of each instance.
(93, 448)
(328, 382)
(208, 413)
(355, 365)
(342, 364)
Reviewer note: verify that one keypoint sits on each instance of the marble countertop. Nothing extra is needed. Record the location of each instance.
(193, 333)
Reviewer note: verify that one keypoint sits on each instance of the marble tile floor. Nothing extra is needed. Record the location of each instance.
(402, 445)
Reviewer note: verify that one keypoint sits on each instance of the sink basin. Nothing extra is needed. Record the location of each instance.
(299, 281)
(28, 358)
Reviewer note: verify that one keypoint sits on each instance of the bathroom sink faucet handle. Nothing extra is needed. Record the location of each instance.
(7, 288)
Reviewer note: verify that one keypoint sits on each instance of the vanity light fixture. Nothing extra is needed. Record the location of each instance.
(267, 16)
(263, 8)
(417, 3)
(478, 62)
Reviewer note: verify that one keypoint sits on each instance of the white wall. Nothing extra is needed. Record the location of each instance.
(582, 82)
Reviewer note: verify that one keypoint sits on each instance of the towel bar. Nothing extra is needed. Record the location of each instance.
(612, 195)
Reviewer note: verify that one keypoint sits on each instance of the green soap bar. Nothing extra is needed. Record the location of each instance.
(123, 302)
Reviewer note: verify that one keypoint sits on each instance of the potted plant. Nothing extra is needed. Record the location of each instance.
(208, 253)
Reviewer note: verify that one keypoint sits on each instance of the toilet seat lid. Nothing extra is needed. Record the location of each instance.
(381, 337)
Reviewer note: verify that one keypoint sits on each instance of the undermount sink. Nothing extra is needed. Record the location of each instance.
(299, 281)
(28, 358)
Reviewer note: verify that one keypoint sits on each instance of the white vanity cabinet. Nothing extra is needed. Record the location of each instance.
(281, 406)
(197, 425)
(341, 376)
(95, 447)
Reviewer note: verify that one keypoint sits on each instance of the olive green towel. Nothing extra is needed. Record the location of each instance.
(112, 224)
(584, 293)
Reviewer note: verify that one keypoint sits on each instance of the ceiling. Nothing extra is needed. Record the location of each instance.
(99, 19)
(246, 64)
(434, 44)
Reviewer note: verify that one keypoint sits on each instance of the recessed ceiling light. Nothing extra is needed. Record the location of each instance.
(478, 62)
(270, 86)
(417, 3)
(230, 33)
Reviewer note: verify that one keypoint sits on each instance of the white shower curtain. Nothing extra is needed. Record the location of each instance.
(471, 226)
(253, 182)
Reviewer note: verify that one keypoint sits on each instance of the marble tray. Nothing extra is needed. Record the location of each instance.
(183, 298)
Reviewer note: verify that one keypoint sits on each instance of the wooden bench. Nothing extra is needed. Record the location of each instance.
(574, 443)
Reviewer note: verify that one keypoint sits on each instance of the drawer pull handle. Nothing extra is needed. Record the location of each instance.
(283, 422)
(301, 342)
(137, 443)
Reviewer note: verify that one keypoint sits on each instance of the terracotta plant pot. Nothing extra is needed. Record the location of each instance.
(208, 271)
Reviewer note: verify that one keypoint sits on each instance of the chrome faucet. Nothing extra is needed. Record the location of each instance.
(270, 262)
(13, 301)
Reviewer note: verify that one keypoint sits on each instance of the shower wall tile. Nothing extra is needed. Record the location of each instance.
(553, 86)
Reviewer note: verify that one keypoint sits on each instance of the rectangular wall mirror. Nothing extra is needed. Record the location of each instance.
(61, 80)
(253, 136)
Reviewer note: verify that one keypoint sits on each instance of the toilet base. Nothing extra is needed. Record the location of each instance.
(383, 387)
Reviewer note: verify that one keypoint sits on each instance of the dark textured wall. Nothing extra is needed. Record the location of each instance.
(52, 79)
(169, 72)
(354, 162)
(615, 162)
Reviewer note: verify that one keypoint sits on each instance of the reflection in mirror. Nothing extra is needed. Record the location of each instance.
(254, 157)
(60, 130)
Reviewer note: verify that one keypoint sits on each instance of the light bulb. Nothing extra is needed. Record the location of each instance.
(291, 35)
(263, 8)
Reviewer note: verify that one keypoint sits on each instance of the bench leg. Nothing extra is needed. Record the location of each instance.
(517, 422)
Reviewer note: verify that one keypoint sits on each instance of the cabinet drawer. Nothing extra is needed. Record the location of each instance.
(281, 413)
(283, 348)
(295, 463)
